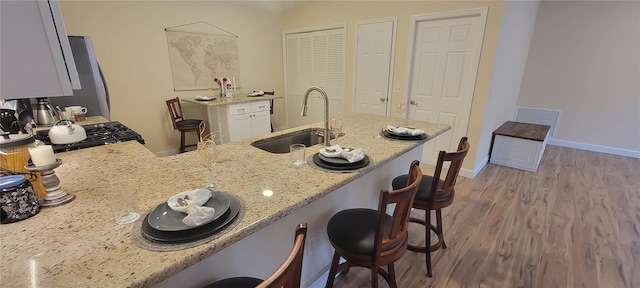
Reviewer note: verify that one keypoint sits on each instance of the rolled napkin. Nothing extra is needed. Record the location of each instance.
(204, 98)
(196, 213)
(335, 151)
(353, 155)
(405, 131)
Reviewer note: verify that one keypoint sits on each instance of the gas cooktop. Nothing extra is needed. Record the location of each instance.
(97, 134)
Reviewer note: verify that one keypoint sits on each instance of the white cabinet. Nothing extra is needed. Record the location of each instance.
(244, 120)
(36, 57)
(519, 145)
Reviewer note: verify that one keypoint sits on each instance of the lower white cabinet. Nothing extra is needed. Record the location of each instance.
(517, 153)
(519, 145)
(244, 120)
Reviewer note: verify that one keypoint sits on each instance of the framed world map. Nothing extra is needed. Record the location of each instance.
(197, 58)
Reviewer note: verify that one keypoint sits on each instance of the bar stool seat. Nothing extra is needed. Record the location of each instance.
(424, 192)
(237, 282)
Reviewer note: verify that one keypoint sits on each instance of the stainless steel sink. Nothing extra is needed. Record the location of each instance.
(280, 144)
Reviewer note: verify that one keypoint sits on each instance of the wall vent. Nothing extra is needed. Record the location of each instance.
(539, 116)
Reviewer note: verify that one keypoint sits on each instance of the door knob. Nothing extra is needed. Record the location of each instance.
(413, 102)
(382, 99)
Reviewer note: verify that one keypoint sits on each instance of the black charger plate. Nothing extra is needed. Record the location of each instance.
(338, 161)
(195, 233)
(333, 166)
(388, 134)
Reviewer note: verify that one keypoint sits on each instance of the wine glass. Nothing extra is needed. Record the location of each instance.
(208, 151)
(336, 124)
(401, 109)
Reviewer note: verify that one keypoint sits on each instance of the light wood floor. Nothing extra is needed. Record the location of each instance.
(574, 223)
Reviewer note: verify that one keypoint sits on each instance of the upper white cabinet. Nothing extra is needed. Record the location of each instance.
(35, 54)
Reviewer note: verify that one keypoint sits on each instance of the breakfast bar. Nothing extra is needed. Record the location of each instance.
(80, 245)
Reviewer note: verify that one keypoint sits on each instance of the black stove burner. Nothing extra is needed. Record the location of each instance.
(97, 134)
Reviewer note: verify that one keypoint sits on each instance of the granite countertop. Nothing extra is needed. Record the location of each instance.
(238, 97)
(79, 244)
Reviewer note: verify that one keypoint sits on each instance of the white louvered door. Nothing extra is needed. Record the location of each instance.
(314, 58)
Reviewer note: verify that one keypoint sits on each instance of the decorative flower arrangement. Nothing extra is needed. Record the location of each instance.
(220, 85)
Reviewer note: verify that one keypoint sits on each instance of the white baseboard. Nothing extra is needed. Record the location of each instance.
(476, 170)
(595, 148)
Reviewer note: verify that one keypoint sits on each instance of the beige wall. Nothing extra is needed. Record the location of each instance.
(131, 46)
(516, 32)
(584, 60)
(320, 13)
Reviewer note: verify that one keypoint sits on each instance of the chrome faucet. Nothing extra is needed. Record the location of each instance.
(327, 134)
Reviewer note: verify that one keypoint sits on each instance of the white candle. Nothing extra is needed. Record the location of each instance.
(42, 155)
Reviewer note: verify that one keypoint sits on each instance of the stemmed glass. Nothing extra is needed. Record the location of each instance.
(401, 109)
(336, 124)
(208, 151)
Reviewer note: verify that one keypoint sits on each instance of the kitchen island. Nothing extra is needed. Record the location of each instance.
(239, 117)
(80, 245)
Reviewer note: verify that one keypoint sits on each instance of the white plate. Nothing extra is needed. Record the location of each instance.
(163, 218)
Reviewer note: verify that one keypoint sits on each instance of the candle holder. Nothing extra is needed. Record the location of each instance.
(55, 195)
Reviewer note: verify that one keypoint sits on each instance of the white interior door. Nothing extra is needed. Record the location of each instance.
(374, 59)
(446, 51)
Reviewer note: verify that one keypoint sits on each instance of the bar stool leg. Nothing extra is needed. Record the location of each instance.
(182, 146)
(333, 270)
(439, 228)
(427, 244)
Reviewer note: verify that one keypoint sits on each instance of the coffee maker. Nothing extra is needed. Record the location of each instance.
(44, 114)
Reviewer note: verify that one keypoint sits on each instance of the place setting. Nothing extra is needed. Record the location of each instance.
(187, 219)
(403, 133)
(193, 217)
(340, 159)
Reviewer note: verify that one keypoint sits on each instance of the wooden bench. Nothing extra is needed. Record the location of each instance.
(519, 145)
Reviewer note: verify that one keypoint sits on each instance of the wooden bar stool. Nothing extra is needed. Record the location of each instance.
(435, 195)
(372, 238)
(287, 275)
(183, 125)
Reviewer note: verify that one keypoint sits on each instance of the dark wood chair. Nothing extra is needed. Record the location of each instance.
(435, 195)
(287, 275)
(183, 125)
(372, 238)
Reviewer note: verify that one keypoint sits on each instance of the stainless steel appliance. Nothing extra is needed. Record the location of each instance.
(93, 93)
(44, 114)
(97, 134)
